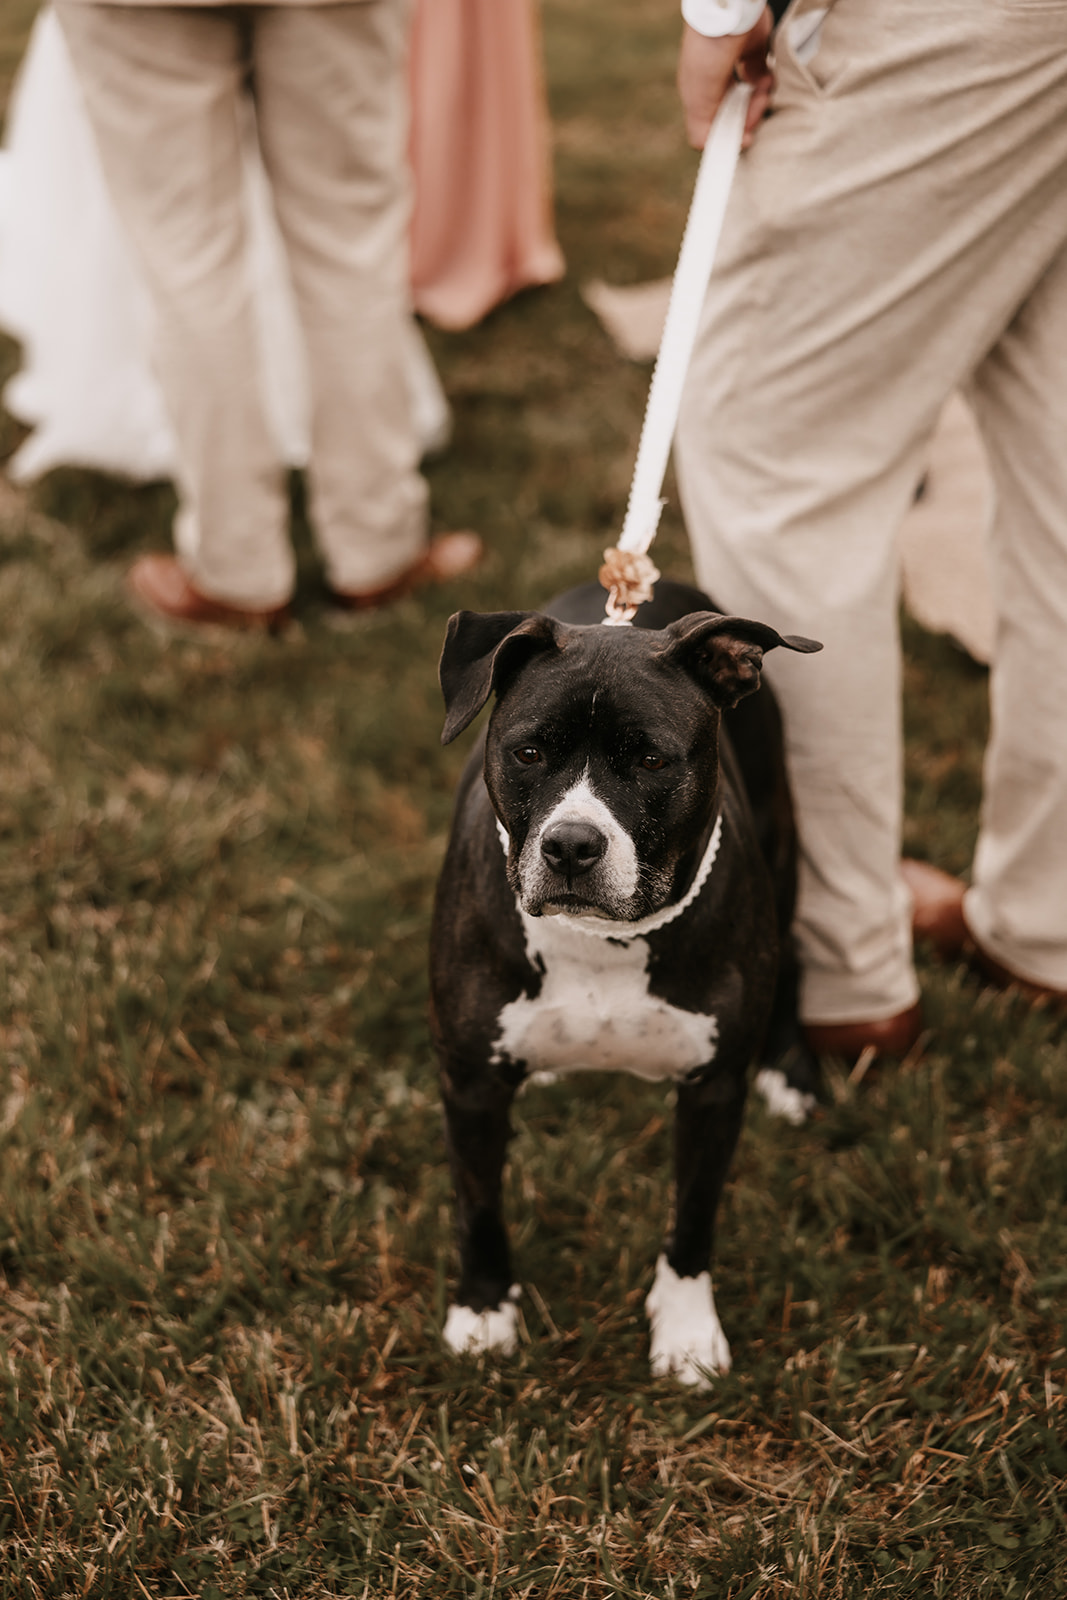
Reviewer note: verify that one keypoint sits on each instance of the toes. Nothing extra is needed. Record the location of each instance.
(687, 1338)
(496, 1331)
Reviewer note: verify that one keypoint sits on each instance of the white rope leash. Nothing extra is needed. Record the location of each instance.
(629, 572)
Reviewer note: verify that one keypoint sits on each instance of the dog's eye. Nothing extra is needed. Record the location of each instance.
(653, 763)
(528, 754)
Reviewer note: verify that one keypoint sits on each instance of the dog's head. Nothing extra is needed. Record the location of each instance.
(601, 758)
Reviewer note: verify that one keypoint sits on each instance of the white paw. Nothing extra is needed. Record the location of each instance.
(781, 1099)
(687, 1339)
(538, 1079)
(476, 1333)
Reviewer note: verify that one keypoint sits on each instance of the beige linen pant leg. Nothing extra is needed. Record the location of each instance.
(162, 89)
(329, 85)
(1017, 907)
(162, 86)
(900, 212)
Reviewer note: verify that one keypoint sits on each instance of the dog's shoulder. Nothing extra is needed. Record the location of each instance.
(730, 920)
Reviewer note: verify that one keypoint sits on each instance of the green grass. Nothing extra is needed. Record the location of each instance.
(224, 1214)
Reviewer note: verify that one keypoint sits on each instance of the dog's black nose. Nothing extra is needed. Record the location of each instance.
(571, 848)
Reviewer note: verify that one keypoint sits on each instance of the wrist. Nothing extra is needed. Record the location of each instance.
(718, 19)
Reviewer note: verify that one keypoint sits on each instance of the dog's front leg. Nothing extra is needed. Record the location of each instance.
(687, 1339)
(484, 1316)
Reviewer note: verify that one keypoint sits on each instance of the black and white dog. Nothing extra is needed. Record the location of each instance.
(618, 875)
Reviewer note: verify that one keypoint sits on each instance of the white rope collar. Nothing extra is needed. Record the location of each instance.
(607, 927)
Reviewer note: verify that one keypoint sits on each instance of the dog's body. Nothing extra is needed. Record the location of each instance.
(605, 904)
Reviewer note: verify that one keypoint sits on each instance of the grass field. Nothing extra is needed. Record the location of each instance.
(224, 1213)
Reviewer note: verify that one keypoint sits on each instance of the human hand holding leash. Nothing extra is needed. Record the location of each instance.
(708, 66)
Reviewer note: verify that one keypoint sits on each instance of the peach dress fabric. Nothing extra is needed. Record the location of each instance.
(482, 224)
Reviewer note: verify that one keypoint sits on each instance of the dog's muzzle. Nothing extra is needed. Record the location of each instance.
(579, 859)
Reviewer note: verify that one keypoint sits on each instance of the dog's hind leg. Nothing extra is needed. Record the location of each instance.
(788, 1078)
(484, 1316)
(687, 1338)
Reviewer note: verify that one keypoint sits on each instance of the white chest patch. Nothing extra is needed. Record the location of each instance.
(594, 1012)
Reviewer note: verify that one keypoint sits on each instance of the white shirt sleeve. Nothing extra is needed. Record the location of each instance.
(717, 18)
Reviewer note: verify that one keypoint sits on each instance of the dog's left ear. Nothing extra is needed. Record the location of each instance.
(725, 654)
(482, 649)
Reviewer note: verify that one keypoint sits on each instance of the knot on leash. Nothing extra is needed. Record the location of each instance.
(628, 576)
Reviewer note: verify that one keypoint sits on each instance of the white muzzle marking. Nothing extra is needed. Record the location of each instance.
(615, 877)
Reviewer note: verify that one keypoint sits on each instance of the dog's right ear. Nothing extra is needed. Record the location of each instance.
(725, 654)
(481, 649)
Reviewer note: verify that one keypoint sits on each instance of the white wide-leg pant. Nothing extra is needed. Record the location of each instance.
(162, 87)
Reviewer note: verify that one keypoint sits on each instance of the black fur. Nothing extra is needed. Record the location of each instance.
(683, 681)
